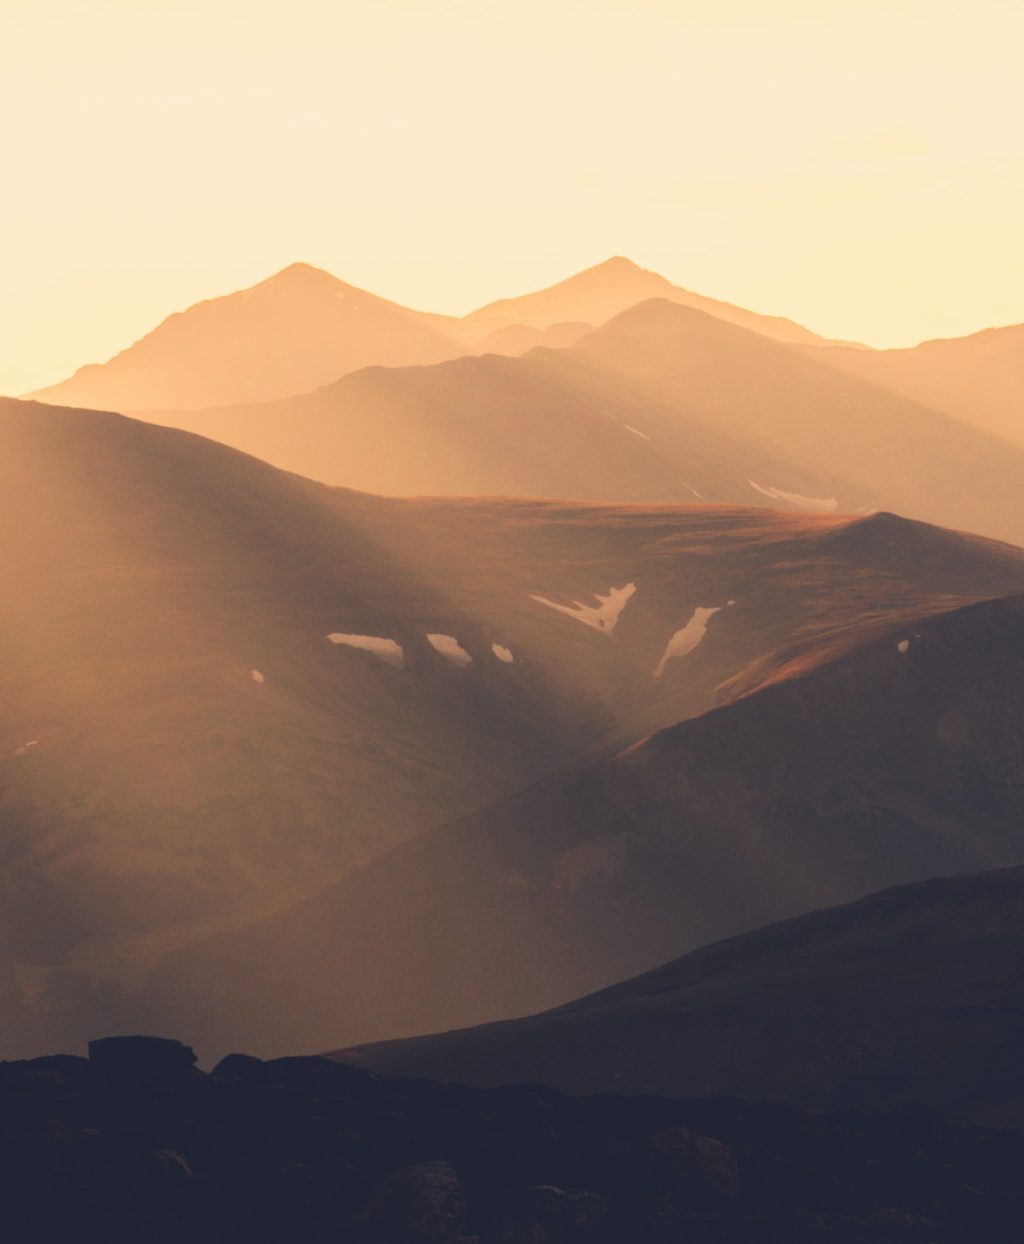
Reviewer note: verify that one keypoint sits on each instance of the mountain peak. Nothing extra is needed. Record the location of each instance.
(301, 274)
(621, 270)
(618, 263)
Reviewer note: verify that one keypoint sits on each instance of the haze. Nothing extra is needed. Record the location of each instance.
(854, 166)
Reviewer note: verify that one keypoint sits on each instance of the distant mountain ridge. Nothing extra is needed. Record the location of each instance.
(663, 403)
(295, 331)
(304, 328)
(599, 293)
(978, 378)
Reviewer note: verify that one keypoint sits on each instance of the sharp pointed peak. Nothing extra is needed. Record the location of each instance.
(619, 265)
(304, 273)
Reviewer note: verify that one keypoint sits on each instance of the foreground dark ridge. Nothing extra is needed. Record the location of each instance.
(134, 1144)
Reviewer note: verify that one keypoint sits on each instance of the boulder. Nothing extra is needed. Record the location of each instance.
(146, 1058)
(550, 1215)
(421, 1204)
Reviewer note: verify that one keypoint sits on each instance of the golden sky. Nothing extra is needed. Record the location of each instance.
(857, 165)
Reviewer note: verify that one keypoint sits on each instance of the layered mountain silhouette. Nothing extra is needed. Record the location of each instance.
(663, 403)
(979, 378)
(880, 752)
(599, 293)
(295, 331)
(913, 995)
(304, 328)
(516, 339)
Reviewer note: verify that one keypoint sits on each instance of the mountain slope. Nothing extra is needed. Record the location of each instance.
(663, 403)
(516, 339)
(599, 293)
(911, 995)
(979, 378)
(890, 753)
(293, 332)
(227, 686)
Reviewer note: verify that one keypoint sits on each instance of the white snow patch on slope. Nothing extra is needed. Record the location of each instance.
(636, 432)
(698, 495)
(25, 748)
(386, 649)
(687, 638)
(258, 677)
(503, 653)
(449, 647)
(601, 617)
(819, 505)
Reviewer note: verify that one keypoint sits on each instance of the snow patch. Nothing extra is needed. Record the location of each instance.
(386, 649)
(601, 617)
(503, 653)
(450, 648)
(698, 495)
(25, 748)
(258, 677)
(687, 638)
(819, 505)
(903, 645)
(636, 432)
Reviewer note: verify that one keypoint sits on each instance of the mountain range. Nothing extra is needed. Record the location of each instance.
(303, 328)
(396, 673)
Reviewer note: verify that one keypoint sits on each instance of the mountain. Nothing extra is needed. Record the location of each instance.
(912, 995)
(599, 293)
(882, 744)
(516, 339)
(303, 328)
(979, 378)
(663, 403)
(300, 329)
(227, 685)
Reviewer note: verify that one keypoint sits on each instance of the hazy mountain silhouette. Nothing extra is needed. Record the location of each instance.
(304, 328)
(295, 331)
(663, 403)
(875, 750)
(911, 995)
(598, 293)
(516, 339)
(979, 378)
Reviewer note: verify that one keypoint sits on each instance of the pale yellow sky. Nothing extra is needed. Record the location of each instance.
(856, 165)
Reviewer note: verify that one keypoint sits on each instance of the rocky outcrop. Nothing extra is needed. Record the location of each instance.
(134, 1144)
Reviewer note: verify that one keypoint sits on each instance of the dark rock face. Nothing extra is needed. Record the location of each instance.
(141, 1057)
(547, 1215)
(421, 1203)
(309, 1151)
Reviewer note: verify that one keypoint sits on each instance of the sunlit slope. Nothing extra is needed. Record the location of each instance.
(884, 745)
(226, 686)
